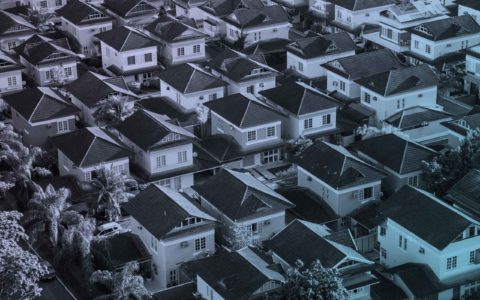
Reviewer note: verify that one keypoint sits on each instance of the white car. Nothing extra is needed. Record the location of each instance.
(109, 229)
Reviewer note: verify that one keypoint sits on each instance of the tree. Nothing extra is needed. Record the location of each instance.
(315, 282)
(10, 228)
(240, 236)
(298, 145)
(113, 111)
(367, 132)
(125, 284)
(202, 116)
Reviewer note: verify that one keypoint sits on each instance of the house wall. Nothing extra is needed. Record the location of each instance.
(206, 290)
(110, 56)
(40, 72)
(443, 47)
(7, 42)
(46, 6)
(190, 101)
(4, 87)
(86, 113)
(259, 84)
(352, 89)
(353, 19)
(170, 51)
(312, 67)
(84, 34)
(255, 34)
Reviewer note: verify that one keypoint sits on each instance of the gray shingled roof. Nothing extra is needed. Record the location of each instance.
(38, 49)
(240, 68)
(222, 8)
(249, 17)
(186, 79)
(7, 20)
(125, 39)
(355, 5)
(172, 30)
(316, 46)
(475, 4)
(448, 28)
(465, 193)
(415, 116)
(77, 11)
(123, 7)
(419, 279)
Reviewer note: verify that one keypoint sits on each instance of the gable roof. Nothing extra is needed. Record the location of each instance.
(160, 209)
(246, 195)
(124, 7)
(400, 80)
(299, 99)
(310, 47)
(465, 193)
(172, 30)
(187, 78)
(243, 112)
(221, 8)
(77, 11)
(419, 279)
(8, 63)
(125, 39)
(40, 104)
(396, 153)
(337, 167)
(238, 67)
(355, 5)
(469, 3)
(415, 116)
(90, 146)
(40, 49)
(147, 129)
(425, 216)
(263, 16)
(447, 28)
(7, 20)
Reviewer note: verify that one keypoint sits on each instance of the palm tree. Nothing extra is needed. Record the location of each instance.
(76, 236)
(113, 111)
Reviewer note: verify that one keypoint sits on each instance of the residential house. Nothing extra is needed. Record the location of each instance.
(395, 21)
(181, 43)
(402, 159)
(343, 72)
(128, 53)
(100, 88)
(342, 180)
(307, 55)
(323, 10)
(472, 67)
(163, 151)
(45, 6)
(256, 127)
(251, 205)
(173, 228)
(436, 39)
(461, 125)
(421, 229)
(10, 74)
(310, 242)
(185, 7)
(248, 26)
(404, 88)
(47, 61)
(83, 21)
(352, 15)
(40, 113)
(82, 152)
(134, 13)
(469, 7)
(190, 86)
(464, 194)
(308, 112)
(13, 30)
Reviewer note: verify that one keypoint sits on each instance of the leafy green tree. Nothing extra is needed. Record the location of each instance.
(114, 110)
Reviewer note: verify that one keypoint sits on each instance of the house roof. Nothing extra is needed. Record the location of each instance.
(8, 63)
(424, 215)
(183, 291)
(172, 30)
(91, 146)
(188, 78)
(364, 64)
(415, 116)
(146, 129)
(99, 87)
(161, 209)
(420, 280)
(125, 39)
(299, 99)
(222, 8)
(243, 112)
(166, 107)
(40, 49)
(469, 3)
(40, 104)
(265, 47)
(124, 7)
(397, 81)
(355, 5)
(246, 195)
(396, 153)
(472, 121)
(263, 16)
(337, 167)
(316, 46)
(7, 20)
(77, 12)
(447, 28)
(465, 193)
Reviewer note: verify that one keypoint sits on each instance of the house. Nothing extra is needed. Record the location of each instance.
(251, 205)
(270, 52)
(343, 72)
(396, 20)
(184, 8)
(469, 7)
(435, 39)
(173, 228)
(351, 15)
(163, 151)
(82, 21)
(342, 180)
(254, 126)
(10, 74)
(45, 6)
(13, 30)
(134, 13)
(464, 194)
(306, 55)
(100, 89)
(309, 113)
(244, 75)
(402, 159)
(310, 242)
(181, 43)
(461, 125)
(404, 88)
(190, 86)
(472, 67)
(82, 152)
(40, 113)
(47, 61)
(421, 229)
(250, 25)
(128, 53)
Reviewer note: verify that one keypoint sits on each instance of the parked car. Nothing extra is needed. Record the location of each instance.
(109, 229)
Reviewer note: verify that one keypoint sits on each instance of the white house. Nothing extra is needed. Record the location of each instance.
(307, 55)
(10, 74)
(14, 30)
(134, 13)
(469, 7)
(173, 229)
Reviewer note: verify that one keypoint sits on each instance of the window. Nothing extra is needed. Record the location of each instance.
(68, 71)
(212, 96)
(400, 241)
(416, 44)
(58, 2)
(271, 156)
(389, 33)
(300, 66)
(103, 29)
(180, 51)
(383, 231)
(308, 123)
(173, 276)
(88, 176)
(232, 32)
(270, 131)
(398, 104)
(428, 48)
(339, 14)
(368, 193)
(196, 48)
(250, 89)
(451, 263)
(326, 119)
(367, 97)
(182, 157)
(413, 181)
(11, 45)
(252, 135)
(48, 74)
(62, 126)
(383, 253)
(255, 228)
(85, 50)
(161, 161)
(148, 57)
(131, 60)
(12, 81)
(472, 257)
(200, 244)
(154, 243)
(342, 85)
(164, 182)
(43, 4)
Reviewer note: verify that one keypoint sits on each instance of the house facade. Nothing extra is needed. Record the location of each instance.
(134, 13)
(15, 30)
(46, 6)
(10, 74)
(472, 67)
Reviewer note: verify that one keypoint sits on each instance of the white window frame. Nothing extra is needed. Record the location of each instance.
(63, 126)
(200, 243)
(182, 157)
(251, 135)
(161, 161)
(271, 131)
(308, 123)
(131, 60)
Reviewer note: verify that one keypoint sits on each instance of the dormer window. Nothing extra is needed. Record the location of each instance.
(423, 29)
(189, 221)
(463, 123)
(331, 47)
(95, 15)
